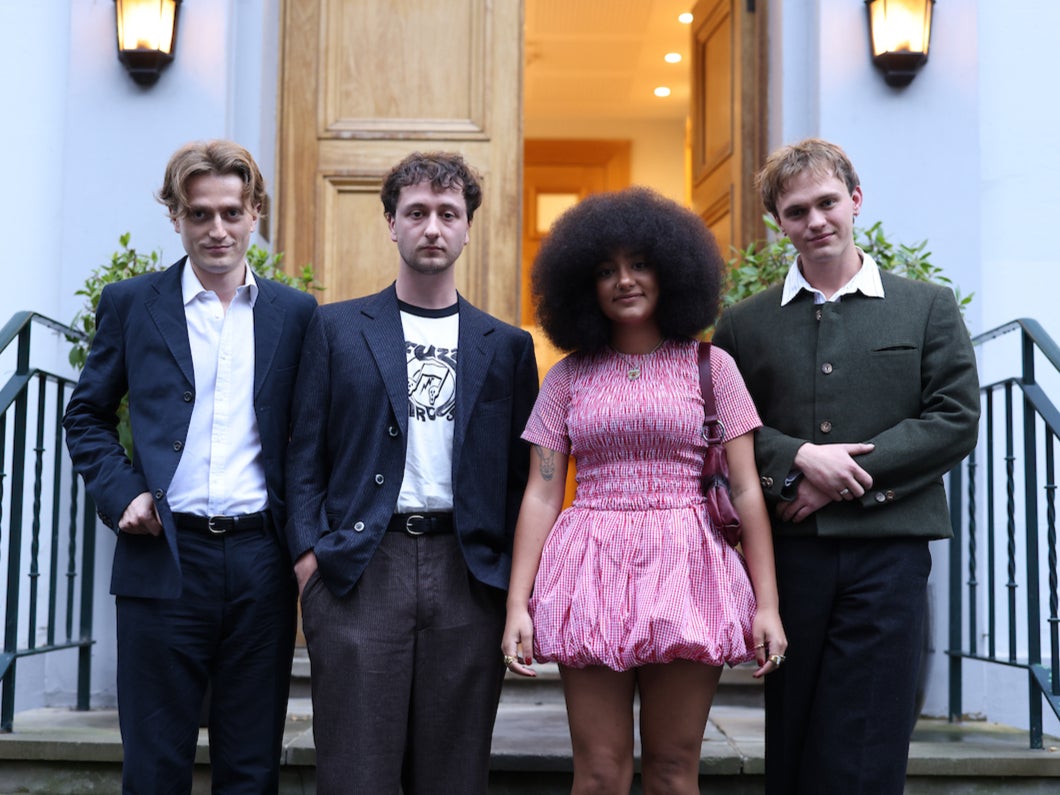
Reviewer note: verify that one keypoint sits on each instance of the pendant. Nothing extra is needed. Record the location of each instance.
(634, 373)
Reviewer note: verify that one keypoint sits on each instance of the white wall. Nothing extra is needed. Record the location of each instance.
(962, 158)
(86, 148)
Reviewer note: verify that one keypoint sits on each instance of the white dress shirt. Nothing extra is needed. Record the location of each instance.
(221, 470)
(866, 281)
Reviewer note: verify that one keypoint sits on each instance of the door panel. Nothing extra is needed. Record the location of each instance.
(728, 118)
(363, 84)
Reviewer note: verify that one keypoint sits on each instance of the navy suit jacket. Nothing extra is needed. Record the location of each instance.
(141, 347)
(350, 430)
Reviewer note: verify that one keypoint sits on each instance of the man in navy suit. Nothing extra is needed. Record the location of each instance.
(207, 353)
(406, 471)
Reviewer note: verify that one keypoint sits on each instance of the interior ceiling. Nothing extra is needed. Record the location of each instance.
(603, 59)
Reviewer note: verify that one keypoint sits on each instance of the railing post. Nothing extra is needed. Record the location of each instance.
(88, 567)
(956, 709)
(1030, 499)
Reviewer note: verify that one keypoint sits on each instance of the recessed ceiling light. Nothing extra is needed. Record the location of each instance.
(662, 91)
(672, 57)
(685, 18)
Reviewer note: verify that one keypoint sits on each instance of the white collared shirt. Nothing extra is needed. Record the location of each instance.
(866, 281)
(221, 470)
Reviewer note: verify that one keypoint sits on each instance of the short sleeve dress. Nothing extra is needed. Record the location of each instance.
(633, 573)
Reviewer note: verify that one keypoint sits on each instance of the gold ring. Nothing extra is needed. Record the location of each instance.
(777, 659)
(761, 646)
(508, 660)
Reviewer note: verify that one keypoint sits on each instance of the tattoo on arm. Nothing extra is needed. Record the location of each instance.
(547, 463)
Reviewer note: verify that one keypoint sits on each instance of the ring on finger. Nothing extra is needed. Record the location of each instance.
(844, 492)
(777, 659)
(508, 660)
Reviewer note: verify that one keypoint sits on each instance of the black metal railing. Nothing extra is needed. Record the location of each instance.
(996, 612)
(50, 552)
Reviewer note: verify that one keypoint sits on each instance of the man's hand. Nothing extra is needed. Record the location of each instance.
(141, 517)
(304, 568)
(808, 498)
(832, 470)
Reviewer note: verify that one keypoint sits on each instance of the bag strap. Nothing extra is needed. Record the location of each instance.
(713, 430)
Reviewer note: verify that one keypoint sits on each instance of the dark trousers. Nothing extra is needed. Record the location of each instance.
(232, 628)
(406, 673)
(839, 712)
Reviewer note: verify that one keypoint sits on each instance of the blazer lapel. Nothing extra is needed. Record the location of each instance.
(166, 308)
(473, 362)
(268, 331)
(386, 341)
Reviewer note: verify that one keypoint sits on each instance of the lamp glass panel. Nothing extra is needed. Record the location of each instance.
(900, 25)
(146, 24)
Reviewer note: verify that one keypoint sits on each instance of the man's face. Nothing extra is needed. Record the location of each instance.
(817, 213)
(216, 226)
(430, 227)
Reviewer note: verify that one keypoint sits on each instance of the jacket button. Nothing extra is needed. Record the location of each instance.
(817, 314)
(392, 430)
(767, 482)
(159, 494)
(890, 495)
(826, 427)
(178, 445)
(826, 368)
(359, 527)
(379, 480)
(188, 396)
(880, 497)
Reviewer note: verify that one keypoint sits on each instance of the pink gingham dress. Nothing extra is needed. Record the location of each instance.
(633, 573)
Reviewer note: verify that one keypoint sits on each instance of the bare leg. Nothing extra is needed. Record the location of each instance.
(600, 713)
(675, 700)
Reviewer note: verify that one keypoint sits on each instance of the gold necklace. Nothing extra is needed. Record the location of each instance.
(633, 373)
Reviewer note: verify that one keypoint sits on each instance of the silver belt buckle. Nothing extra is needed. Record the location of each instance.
(408, 525)
(212, 529)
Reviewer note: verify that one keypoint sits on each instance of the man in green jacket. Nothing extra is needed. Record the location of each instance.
(867, 389)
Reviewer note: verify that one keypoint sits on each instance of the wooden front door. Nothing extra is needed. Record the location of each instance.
(728, 117)
(364, 83)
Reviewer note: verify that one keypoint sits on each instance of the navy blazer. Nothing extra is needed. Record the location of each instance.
(141, 347)
(350, 431)
(897, 371)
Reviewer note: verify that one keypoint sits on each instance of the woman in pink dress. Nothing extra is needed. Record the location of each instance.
(631, 589)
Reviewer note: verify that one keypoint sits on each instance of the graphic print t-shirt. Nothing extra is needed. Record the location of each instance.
(430, 354)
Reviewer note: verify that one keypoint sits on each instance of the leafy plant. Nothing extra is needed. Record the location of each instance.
(127, 262)
(765, 263)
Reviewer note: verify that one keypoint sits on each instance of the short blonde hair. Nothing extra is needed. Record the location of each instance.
(218, 157)
(815, 155)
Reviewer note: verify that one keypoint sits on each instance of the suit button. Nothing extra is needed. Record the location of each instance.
(880, 497)
(826, 368)
(188, 397)
(817, 314)
(359, 527)
(767, 482)
(890, 495)
(379, 480)
(178, 445)
(392, 430)
(159, 494)
(826, 426)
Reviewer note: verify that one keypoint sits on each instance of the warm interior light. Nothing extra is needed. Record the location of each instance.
(900, 34)
(672, 57)
(662, 91)
(685, 18)
(147, 31)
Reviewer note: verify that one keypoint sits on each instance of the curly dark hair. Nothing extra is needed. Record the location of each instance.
(444, 170)
(673, 240)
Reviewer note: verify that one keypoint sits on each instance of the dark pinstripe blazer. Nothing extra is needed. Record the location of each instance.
(347, 453)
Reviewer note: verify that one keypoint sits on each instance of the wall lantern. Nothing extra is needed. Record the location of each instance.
(900, 33)
(147, 33)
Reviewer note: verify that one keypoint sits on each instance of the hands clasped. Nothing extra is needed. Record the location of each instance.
(830, 474)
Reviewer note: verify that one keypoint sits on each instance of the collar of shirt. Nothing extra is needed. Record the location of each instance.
(191, 287)
(866, 281)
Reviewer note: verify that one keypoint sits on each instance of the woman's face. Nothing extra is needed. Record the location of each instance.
(627, 289)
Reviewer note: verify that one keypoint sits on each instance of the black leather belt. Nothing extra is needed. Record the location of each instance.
(221, 525)
(421, 524)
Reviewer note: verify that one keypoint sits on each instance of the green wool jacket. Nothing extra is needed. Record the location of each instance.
(898, 372)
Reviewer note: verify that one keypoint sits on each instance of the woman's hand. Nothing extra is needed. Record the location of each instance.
(771, 644)
(517, 644)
